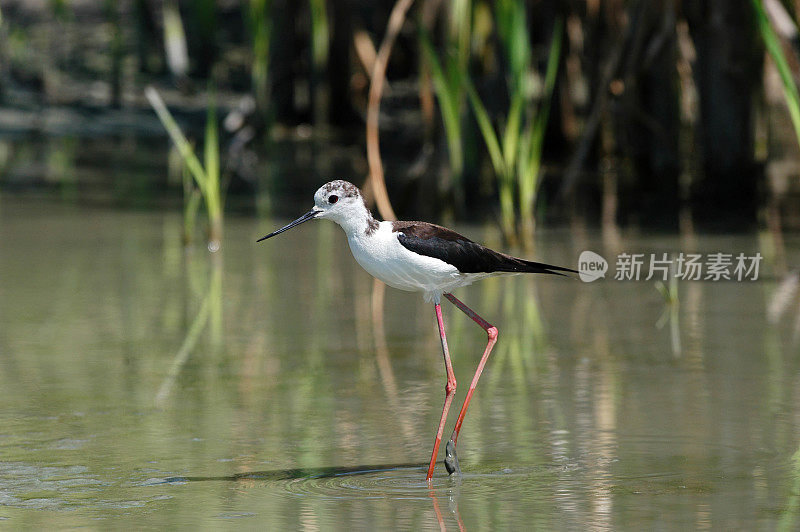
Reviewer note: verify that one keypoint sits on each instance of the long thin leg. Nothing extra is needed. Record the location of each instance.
(491, 331)
(450, 390)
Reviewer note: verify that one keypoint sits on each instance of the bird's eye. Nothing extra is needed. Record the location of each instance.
(333, 198)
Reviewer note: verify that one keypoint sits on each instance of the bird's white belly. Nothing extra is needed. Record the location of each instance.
(382, 256)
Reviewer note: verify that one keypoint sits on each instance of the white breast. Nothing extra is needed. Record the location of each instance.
(382, 255)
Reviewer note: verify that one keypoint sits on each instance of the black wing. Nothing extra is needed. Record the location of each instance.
(467, 256)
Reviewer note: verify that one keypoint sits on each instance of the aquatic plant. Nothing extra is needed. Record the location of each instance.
(671, 314)
(447, 77)
(775, 50)
(259, 19)
(191, 203)
(208, 316)
(175, 46)
(320, 34)
(516, 152)
(206, 176)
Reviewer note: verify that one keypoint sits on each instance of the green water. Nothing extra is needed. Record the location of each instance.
(120, 407)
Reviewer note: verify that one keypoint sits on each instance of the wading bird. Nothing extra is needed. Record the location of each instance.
(419, 257)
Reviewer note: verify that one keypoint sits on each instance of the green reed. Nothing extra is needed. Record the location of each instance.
(209, 316)
(206, 176)
(319, 41)
(191, 204)
(516, 151)
(259, 19)
(447, 76)
(175, 46)
(530, 157)
(773, 44)
(320, 34)
(671, 314)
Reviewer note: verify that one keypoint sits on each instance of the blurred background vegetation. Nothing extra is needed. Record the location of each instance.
(655, 112)
(130, 357)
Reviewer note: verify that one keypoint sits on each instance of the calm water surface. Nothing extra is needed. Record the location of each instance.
(147, 386)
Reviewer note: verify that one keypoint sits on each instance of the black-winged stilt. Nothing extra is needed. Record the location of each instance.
(419, 257)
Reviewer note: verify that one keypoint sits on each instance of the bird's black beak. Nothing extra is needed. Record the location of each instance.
(310, 215)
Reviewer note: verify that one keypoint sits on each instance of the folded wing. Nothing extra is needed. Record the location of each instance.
(469, 257)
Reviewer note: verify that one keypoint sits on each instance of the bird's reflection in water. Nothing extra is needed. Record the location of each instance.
(453, 507)
(296, 473)
(333, 472)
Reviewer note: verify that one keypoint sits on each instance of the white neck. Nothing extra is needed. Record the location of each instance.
(357, 220)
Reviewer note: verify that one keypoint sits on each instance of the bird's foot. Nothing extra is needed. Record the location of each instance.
(451, 459)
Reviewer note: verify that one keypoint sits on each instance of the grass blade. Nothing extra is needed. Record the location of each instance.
(213, 194)
(532, 158)
(320, 33)
(208, 178)
(513, 128)
(447, 92)
(486, 127)
(773, 44)
(178, 138)
(260, 22)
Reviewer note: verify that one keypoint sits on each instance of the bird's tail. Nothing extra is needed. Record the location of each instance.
(539, 267)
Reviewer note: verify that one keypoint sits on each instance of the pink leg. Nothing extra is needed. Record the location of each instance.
(491, 331)
(450, 391)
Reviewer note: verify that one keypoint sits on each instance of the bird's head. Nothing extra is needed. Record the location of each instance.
(339, 201)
